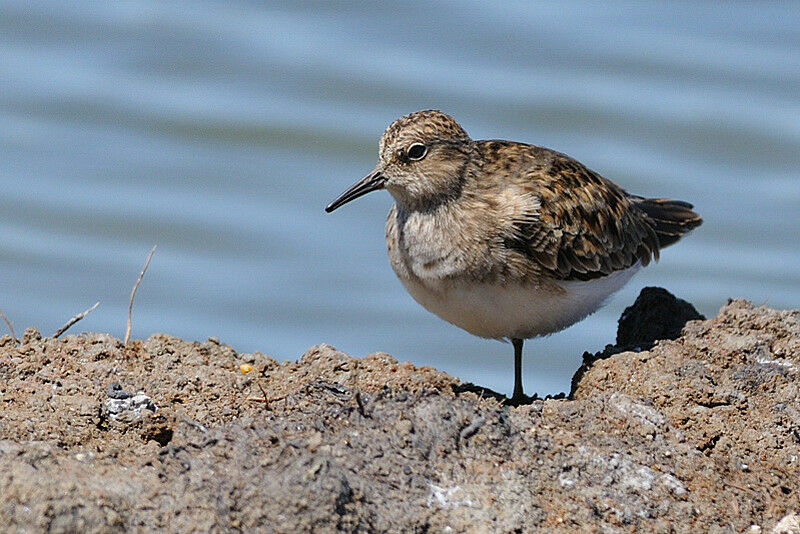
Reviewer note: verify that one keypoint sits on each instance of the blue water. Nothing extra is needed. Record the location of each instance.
(219, 131)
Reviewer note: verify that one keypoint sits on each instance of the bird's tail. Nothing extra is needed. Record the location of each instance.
(671, 218)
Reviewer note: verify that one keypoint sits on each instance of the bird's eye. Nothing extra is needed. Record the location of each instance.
(417, 151)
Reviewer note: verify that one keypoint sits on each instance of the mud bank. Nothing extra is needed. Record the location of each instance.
(681, 426)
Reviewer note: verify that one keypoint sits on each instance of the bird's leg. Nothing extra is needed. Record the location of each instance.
(518, 396)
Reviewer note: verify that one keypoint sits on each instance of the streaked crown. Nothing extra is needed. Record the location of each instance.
(424, 126)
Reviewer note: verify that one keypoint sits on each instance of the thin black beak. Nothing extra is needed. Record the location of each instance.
(371, 182)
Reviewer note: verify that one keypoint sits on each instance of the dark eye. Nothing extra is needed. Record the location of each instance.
(417, 151)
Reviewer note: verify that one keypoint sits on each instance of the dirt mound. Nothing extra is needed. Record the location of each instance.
(699, 433)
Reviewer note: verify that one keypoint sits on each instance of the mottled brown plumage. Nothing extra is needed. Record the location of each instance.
(505, 239)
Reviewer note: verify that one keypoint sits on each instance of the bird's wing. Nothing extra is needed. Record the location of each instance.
(584, 226)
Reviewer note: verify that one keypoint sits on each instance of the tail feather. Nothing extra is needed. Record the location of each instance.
(671, 218)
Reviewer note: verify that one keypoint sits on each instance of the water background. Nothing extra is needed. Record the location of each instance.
(220, 130)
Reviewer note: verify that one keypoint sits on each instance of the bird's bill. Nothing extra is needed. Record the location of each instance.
(371, 182)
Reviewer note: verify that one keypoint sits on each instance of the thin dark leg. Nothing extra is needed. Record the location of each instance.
(518, 394)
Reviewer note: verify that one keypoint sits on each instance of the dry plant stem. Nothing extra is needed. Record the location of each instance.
(11, 328)
(266, 399)
(133, 293)
(74, 320)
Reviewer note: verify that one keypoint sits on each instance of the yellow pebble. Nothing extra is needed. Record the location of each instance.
(246, 368)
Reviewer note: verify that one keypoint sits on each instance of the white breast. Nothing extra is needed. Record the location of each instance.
(515, 311)
(424, 251)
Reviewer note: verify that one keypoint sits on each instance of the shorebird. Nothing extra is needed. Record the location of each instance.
(509, 240)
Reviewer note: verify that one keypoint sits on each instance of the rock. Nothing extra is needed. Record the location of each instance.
(121, 402)
(656, 314)
(790, 524)
(115, 391)
(699, 432)
(133, 404)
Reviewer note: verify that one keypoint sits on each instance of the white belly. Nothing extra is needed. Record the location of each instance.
(515, 311)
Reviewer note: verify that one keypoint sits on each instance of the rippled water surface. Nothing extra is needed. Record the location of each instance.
(219, 131)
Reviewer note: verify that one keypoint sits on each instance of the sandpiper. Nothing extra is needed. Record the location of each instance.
(508, 240)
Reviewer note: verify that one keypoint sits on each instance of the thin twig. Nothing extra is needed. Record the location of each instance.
(74, 320)
(13, 335)
(266, 399)
(262, 389)
(133, 293)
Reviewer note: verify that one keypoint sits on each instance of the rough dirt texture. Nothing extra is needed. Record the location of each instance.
(696, 434)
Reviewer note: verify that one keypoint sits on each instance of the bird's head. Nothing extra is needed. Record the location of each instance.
(421, 162)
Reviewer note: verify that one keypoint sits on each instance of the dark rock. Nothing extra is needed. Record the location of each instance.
(115, 391)
(656, 314)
